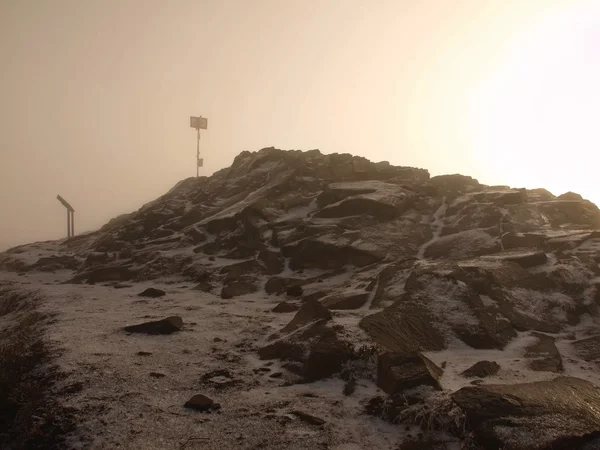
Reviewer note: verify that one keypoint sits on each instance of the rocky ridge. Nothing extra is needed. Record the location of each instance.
(417, 266)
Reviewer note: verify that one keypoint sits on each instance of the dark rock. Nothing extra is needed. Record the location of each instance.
(285, 307)
(310, 311)
(326, 357)
(314, 352)
(317, 295)
(103, 274)
(238, 288)
(121, 286)
(482, 369)
(404, 328)
(144, 353)
(543, 355)
(195, 235)
(324, 254)
(152, 293)
(346, 301)
(561, 413)
(512, 240)
(204, 287)
(308, 418)
(201, 403)
(273, 261)
(276, 375)
(397, 372)
(525, 257)
(164, 326)
(235, 271)
(588, 349)
(350, 386)
(157, 375)
(294, 291)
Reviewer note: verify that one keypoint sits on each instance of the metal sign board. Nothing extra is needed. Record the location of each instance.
(199, 123)
(200, 162)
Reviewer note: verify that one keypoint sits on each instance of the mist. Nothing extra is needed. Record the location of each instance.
(96, 96)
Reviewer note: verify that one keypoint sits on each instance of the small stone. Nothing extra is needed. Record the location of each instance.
(152, 293)
(144, 353)
(200, 402)
(276, 375)
(285, 307)
(295, 291)
(308, 418)
(164, 326)
(157, 375)
(482, 369)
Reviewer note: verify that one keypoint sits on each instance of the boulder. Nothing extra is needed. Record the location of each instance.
(543, 354)
(326, 254)
(404, 329)
(482, 369)
(398, 372)
(315, 350)
(242, 286)
(561, 413)
(310, 311)
(272, 260)
(164, 326)
(234, 271)
(285, 307)
(152, 293)
(202, 403)
(104, 274)
(465, 244)
(354, 300)
(525, 257)
(588, 349)
(512, 240)
(294, 291)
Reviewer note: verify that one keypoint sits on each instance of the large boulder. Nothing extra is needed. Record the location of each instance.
(329, 252)
(543, 355)
(465, 244)
(398, 372)
(383, 201)
(588, 349)
(313, 352)
(562, 413)
(348, 300)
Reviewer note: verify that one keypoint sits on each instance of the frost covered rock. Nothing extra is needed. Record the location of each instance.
(397, 372)
(561, 413)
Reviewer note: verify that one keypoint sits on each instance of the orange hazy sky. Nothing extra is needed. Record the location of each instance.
(96, 95)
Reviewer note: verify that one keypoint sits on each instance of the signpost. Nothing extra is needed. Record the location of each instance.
(70, 217)
(199, 123)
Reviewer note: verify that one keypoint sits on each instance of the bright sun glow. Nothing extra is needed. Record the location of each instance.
(536, 119)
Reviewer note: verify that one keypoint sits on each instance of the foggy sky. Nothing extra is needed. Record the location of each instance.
(96, 95)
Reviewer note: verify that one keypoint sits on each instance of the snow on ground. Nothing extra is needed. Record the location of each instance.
(437, 225)
(131, 401)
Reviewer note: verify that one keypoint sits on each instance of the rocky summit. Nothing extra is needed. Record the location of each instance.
(464, 314)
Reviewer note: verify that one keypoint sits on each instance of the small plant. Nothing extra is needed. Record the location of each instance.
(437, 412)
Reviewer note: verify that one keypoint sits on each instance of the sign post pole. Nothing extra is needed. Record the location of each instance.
(70, 217)
(198, 123)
